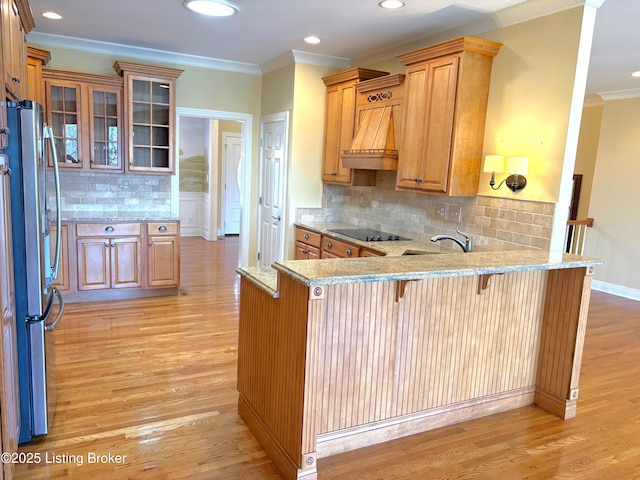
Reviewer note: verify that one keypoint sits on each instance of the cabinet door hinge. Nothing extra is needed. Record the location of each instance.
(258, 256)
(259, 200)
(262, 142)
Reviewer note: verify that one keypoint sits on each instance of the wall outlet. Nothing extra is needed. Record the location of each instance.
(454, 213)
(441, 211)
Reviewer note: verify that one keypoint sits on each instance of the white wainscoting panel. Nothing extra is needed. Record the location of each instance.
(192, 214)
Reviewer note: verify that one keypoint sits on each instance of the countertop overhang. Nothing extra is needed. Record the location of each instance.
(383, 269)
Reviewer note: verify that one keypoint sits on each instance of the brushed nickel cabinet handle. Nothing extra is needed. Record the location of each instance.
(109, 229)
(162, 228)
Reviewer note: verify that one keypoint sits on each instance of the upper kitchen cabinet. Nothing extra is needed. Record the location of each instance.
(85, 112)
(340, 121)
(16, 21)
(36, 59)
(149, 98)
(446, 91)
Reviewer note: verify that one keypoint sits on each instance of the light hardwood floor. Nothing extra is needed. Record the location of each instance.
(154, 380)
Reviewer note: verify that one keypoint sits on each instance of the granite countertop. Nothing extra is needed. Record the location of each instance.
(377, 269)
(414, 267)
(142, 216)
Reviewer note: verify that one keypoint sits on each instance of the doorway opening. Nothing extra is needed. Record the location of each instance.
(198, 186)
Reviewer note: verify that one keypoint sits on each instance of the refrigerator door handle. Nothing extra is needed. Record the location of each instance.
(50, 327)
(48, 134)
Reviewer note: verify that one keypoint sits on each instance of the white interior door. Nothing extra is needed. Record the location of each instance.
(232, 156)
(272, 187)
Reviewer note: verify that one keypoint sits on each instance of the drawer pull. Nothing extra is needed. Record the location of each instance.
(329, 244)
(109, 229)
(162, 228)
(306, 236)
(349, 252)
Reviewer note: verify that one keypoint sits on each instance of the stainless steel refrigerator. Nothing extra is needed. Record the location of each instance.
(39, 305)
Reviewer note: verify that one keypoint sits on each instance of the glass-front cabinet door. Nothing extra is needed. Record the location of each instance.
(63, 109)
(151, 124)
(106, 128)
(85, 113)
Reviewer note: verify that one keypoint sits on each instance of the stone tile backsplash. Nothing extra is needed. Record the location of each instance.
(493, 223)
(97, 194)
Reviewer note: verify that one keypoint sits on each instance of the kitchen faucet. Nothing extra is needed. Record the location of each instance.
(466, 246)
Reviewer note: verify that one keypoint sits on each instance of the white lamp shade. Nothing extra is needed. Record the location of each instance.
(494, 163)
(518, 165)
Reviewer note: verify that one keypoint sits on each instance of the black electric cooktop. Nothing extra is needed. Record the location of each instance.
(368, 235)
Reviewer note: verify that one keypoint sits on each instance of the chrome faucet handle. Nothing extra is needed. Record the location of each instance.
(468, 244)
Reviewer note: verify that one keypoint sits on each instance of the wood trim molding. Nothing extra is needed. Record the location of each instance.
(151, 70)
(346, 440)
(357, 74)
(26, 17)
(271, 445)
(38, 53)
(455, 45)
(68, 76)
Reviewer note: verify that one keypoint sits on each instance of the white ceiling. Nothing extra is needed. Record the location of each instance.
(263, 30)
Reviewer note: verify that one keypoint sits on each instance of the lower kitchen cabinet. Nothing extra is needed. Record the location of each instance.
(163, 255)
(311, 245)
(332, 248)
(109, 263)
(307, 244)
(119, 260)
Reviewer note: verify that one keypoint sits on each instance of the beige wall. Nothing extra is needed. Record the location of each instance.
(530, 98)
(277, 90)
(298, 89)
(615, 198)
(587, 154)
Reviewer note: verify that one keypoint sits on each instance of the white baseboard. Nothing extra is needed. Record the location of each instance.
(617, 290)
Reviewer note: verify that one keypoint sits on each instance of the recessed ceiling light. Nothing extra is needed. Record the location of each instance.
(211, 8)
(312, 39)
(52, 15)
(635, 74)
(391, 4)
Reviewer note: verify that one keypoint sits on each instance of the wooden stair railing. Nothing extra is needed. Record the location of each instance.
(576, 235)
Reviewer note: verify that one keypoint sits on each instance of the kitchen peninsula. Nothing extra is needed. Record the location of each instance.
(338, 354)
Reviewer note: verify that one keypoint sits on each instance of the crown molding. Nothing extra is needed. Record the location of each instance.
(300, 56)
(147, 54)
(593, 101)
(620, 94)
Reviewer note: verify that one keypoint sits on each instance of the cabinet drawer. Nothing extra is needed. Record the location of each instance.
(160, 228)
(339, 249)
(308, 237)
(107, 229)
(371, 253)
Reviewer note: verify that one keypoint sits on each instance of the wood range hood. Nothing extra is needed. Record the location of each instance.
(379, 117)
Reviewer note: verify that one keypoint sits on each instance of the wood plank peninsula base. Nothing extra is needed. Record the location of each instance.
(336, 355)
